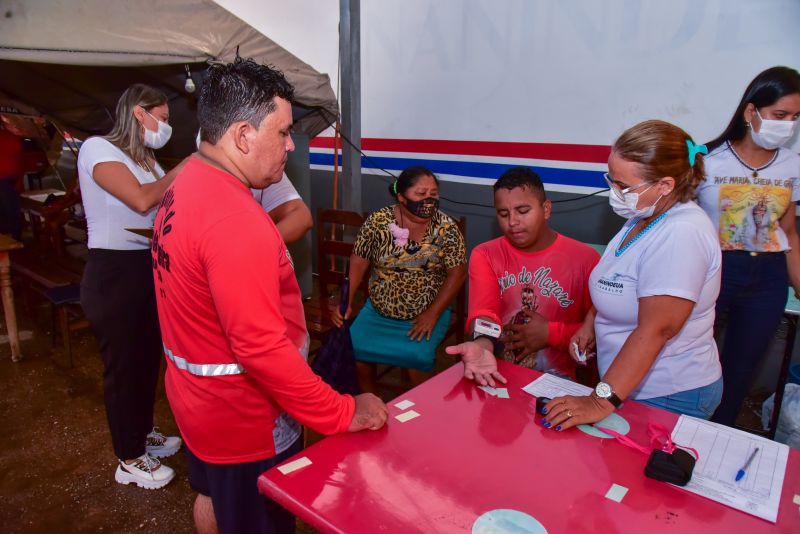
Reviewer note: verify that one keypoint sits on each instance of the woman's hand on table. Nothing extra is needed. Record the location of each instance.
(480, 364)
(529, 337)
(568, 411)
(424, 324)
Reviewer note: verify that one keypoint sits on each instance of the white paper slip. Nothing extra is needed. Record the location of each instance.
(294, 465)
(406, 416)
(404, 405)
(616, 492)
(502, 393)
(552, 386)
(580, 354)
(723, 451)
(488, 389)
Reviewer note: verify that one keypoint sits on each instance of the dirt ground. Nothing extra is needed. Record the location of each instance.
(56, 461)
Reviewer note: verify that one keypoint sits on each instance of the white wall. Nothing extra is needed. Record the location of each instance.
(564, 71)
(541, 71)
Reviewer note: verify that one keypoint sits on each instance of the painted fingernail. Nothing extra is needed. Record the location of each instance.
(544, 411)
(544, 420)
(547, 424)
(558, 428)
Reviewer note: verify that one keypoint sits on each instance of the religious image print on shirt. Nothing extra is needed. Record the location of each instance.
(528, 297)
(749, 216)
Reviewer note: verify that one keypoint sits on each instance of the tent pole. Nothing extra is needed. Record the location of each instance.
(350, 76)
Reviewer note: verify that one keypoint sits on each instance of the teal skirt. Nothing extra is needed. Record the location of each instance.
(379, 339)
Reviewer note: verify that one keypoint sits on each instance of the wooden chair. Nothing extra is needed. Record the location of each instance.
(335, 231)
(67, 314)
(57, 215)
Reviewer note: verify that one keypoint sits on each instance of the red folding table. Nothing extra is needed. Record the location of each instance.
(469, 453)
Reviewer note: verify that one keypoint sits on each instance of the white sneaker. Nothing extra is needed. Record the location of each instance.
(146, 472)
(160, 446)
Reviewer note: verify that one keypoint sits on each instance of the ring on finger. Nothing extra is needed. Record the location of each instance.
(569, 413)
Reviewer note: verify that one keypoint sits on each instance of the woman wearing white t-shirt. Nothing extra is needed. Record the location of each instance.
(750, 194)
(655, 286)
(121, 184)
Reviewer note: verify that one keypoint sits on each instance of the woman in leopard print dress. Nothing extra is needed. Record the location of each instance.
(418, 262)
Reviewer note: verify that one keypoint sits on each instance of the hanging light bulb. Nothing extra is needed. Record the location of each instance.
(189, 85)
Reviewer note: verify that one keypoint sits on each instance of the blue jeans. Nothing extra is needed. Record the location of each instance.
(752, 298)
(699, 402)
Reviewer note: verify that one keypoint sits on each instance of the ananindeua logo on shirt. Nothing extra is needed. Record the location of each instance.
(612, 286)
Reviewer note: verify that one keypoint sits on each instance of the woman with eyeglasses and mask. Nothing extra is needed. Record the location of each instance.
(752, 185)
(418, 261)
(655, 287)
(121, 184)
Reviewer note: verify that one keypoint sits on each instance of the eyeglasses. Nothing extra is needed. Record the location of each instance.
(620, 193)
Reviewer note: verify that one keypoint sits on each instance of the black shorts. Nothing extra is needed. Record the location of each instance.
(233, 489)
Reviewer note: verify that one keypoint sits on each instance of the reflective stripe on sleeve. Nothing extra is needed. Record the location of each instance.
(204, 369)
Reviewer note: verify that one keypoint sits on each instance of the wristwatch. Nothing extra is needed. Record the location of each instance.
(487, 329)
(605, 391)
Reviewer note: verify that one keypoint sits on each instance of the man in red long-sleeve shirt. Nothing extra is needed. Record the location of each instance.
(230, 308)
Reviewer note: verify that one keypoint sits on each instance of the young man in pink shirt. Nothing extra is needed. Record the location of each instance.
(532, 281)
(230, 309)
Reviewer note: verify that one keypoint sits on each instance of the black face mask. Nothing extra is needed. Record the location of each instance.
(424, 208)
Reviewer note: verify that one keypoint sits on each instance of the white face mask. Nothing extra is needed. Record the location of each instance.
(627, 208)
(772, 134)
(157, 139)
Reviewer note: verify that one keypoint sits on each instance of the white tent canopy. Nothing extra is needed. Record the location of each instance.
(141, 40)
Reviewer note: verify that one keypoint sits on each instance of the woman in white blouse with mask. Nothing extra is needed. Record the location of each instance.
(121, 184)
(655, 286)
(750, 194)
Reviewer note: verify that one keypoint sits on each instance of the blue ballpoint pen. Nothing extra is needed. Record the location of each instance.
(741, 472)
